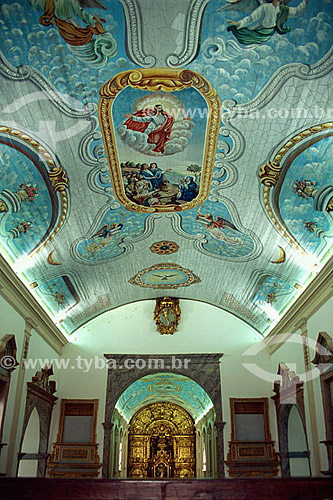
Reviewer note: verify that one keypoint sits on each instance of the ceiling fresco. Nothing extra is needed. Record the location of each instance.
(181, 146)
(163, 386)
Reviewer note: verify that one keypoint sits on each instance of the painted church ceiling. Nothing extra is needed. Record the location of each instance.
(151, 148)
(176, 388)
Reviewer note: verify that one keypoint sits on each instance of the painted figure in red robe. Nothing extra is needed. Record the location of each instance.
(156, 123)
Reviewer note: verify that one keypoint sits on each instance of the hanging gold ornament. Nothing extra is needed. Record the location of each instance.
(167, 315)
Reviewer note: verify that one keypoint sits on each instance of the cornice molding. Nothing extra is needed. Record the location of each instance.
(314, 296)
(18, 296)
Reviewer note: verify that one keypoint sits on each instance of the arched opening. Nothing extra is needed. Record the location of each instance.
(30, 445)
(297, 445)
(163, 444)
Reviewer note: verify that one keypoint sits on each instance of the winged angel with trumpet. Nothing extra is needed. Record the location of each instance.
(265, 18)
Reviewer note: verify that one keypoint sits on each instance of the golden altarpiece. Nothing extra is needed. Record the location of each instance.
(161, 442)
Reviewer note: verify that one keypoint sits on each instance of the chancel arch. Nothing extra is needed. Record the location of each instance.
(157, 428)
(129, 390)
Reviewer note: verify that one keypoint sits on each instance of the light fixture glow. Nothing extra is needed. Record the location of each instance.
(271, 313)
(59, 317)
(309, 262)
(22, 264)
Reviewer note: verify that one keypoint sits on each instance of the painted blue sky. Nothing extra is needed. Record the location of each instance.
(15, 169)
(315, 164)
(132, 225)
(176, 388)
(24, 41)
(57, 294)
(217, 247)
(238, 72)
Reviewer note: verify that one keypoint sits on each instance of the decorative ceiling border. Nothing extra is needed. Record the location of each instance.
(134, 39)
(222, 167)
(48, 90)
(134, 34)
(319, 291)
(192, 35)
(94, 157)
(235, 135)
(282, 75)
(21, 299)
(270, 174)
(56, 175)
(231, 109)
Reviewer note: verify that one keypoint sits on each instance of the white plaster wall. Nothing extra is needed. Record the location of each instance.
(291, 353)
(247, 369)
(28, 468)
(322, 321)
(12, 323)
(131, 329)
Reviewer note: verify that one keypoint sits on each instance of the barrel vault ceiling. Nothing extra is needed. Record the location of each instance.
(166, 148)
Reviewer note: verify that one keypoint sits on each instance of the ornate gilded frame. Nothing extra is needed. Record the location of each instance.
(156, 80)
(161, 419)
(272, 173)
(56, 175)
(137, 279)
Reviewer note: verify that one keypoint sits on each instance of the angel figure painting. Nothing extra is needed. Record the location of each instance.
(264, 19)
(68, 16)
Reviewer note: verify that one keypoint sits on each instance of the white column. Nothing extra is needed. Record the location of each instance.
(12, 448)
(313, 427)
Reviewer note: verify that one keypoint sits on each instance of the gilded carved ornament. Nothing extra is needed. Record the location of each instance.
(161, 442)
(167, 315)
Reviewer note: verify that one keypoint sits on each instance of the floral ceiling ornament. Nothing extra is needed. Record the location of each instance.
(164, 247)
(167, 315)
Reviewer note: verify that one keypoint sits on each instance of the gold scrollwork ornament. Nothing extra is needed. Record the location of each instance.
(167, 315)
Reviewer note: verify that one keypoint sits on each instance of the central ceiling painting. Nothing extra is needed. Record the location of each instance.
(160, 130)
(148, 146)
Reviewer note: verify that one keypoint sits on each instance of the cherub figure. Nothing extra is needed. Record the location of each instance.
(265, 18)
